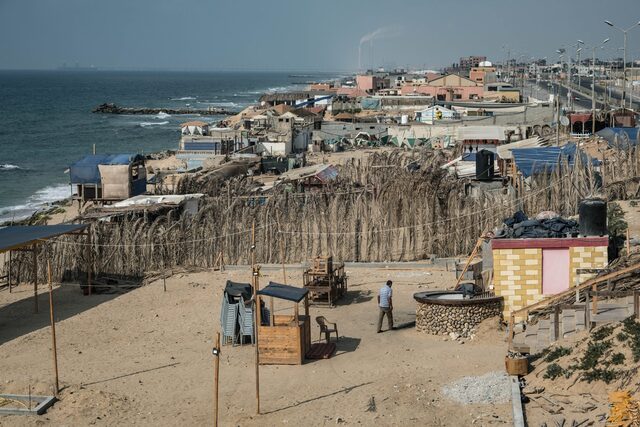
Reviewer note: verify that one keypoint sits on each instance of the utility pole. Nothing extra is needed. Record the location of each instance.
(624, 60)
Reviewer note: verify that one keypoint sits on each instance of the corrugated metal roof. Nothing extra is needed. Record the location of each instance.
(544, 159)
(504, 151)
(619, 136)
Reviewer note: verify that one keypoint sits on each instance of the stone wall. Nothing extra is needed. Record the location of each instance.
(441, 319)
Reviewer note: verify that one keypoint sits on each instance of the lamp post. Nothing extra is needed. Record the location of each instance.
(624, 58)
(593, 85)
(578, 50)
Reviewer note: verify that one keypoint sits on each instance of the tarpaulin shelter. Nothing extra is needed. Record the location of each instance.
(108, 177)
(620, 137)
(284, 339)
(28, 238)
(531, 161)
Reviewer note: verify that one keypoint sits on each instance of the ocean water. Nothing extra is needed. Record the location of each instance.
(46, 121)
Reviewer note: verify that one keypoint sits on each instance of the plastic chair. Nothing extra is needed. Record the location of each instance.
(325, 329)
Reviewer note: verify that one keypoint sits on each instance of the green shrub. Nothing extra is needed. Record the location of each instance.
(617, 359)
(622, 337)
(553, 371)
(602, 333)
(593, 354)
(606, 375)
(557, 353)
(632, 328)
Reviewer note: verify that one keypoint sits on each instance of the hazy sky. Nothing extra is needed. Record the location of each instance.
(299, 34)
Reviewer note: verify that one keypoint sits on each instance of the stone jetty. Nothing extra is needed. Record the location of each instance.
(110, 108)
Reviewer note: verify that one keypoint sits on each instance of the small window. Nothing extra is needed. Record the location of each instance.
(358, 128)
(372, 127)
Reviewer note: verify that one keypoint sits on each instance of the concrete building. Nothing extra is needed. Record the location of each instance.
(526, 271)
(371, 83)
(468, 62)
(451, 87)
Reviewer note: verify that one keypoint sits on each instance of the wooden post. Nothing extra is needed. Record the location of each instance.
(556, 322)
(258, 322)
(473, 254)
(9, 272)
(512, 320)
(272, 321)
(587, 311)
(35, 277)
(284, 272)
(216, 371)
(90, 267)
(594, 306)
(636, 304)
(628, 243)
(53, 330)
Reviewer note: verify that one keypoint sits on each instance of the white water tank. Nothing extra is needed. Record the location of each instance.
(404, 119)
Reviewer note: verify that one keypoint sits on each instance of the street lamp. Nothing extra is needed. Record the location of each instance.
(624, 59)
(593, 85)
(578, 50)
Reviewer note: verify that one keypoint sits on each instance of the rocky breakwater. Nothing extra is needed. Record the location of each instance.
(109, 108)
(443, 313)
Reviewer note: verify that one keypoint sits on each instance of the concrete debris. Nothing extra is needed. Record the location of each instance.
(490, 388)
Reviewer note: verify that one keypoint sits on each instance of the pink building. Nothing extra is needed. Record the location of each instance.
(451, 87)
(370, 84)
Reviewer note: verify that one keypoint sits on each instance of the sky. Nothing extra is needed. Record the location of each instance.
(291, 35)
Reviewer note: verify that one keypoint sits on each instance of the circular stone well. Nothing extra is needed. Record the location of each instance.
(443, 312)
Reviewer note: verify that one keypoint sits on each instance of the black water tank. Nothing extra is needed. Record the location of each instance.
(593, 217)
(484, 165)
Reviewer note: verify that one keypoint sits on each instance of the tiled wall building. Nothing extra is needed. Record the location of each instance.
(526, 271)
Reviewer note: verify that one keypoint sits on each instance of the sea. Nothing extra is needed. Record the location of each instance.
(46, 122)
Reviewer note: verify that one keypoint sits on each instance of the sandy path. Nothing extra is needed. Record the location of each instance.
(144, 358)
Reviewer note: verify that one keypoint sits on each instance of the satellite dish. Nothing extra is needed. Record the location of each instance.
(564, 121)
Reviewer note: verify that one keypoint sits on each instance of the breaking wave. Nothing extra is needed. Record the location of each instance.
(162, 115)
(148, 124)
(184, 98)
(38, 200)
(9, 167)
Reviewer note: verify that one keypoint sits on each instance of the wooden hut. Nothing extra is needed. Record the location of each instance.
(284, 339)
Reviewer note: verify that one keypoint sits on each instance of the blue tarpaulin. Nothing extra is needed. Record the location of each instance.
(545, 159)
(620, 136)
(85, 170)
(18, 236)
(289, 293)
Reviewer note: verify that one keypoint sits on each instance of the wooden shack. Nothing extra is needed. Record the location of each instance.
(108, 178)
(284, 339)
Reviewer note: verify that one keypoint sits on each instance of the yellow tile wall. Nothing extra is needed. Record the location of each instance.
(587, 257)
(517, 277)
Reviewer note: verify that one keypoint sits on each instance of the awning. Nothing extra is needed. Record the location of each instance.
(14, 237)
(289, 293)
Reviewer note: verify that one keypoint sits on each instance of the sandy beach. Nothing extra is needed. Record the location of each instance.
(144, 358)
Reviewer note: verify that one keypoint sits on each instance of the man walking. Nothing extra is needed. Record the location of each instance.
(385, 303)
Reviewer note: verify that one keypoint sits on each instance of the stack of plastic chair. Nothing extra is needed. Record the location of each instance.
(228, 320)
(245, 320)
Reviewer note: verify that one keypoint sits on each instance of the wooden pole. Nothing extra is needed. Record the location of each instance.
(284, 272)
(35, 277)
(628, 243)
(9, 273)
(473, 254)
(255, 271)
(90, 260)
(512, 319)
(53, 330)
(216, 370)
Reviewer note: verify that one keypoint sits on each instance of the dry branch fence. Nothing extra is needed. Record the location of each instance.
(378, 210)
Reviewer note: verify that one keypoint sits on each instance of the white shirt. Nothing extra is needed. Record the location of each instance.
(385, 295)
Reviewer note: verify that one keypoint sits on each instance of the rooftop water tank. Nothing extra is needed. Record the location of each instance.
(593, 217)
(484, 165)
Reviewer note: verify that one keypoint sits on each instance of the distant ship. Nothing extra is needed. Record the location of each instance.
(65, 67)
